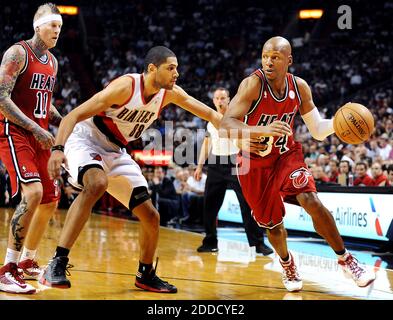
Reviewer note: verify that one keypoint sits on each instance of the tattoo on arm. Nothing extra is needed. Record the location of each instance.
(11, 65)
(16, 227)
(54, 116)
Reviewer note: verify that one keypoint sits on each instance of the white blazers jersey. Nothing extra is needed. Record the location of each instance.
(124, 123)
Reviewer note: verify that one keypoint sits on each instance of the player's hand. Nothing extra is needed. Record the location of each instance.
(45, 138)
(56, 159)
(276, 128)
(198, 173)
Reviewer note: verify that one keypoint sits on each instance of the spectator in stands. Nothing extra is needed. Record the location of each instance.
(379, 179)
(345, 175)
(389, 182)
(319, 176)
(384, 148)
(361, 176)
(333, 171)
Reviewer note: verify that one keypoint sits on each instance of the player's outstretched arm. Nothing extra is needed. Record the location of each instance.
(116, 93)
(318, 127)
(181, 98)
(232, 123)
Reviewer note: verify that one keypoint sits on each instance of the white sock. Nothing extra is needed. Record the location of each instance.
(344, 256)
(27, 254)
(11, 256)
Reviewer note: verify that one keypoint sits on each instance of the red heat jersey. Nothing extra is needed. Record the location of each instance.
(33, 88)
(269, 108)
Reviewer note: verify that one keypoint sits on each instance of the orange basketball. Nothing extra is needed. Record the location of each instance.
(353, 123)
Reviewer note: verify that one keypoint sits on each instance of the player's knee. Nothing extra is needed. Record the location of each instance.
(96, 188)
(33, 194)
(310, 202)
(278, 231)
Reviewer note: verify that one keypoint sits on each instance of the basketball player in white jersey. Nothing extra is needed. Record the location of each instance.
(92, 137)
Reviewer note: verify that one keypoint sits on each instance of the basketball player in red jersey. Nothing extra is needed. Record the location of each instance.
(91, 141)
(27, 78)
(278, 169)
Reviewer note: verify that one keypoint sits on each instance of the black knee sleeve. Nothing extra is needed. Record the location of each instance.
(138, 196)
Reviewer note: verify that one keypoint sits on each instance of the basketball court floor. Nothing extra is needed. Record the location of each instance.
(105, 260)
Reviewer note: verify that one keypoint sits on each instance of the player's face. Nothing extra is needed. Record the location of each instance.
(221, 101)
(167, 74)
(274, 63)
(49, 33)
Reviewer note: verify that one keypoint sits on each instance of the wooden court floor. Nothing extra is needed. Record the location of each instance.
(105, 259)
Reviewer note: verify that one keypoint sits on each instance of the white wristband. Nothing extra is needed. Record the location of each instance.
(318, 127)
(48, 18)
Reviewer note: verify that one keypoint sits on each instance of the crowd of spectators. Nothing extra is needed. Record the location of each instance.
(218, 43)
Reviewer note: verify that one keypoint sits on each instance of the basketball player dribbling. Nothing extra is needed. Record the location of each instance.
(269, 94)
(27, 79)
(93, 137)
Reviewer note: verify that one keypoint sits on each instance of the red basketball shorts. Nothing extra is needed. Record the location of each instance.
(266, 187)
(26, 161)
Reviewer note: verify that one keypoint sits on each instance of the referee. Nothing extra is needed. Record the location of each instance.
(219, 178)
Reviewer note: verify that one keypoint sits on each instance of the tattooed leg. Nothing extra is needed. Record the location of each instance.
(17, 228)
(20, 221)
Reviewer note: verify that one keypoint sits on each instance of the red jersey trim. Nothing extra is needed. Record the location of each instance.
(162, 104)
(142, 86)
(132, 90)
(296, 89)
(255, 105)
(26, 58)
(271, 91)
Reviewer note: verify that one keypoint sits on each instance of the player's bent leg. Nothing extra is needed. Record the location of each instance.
(146, 277)
(322, 219)
(326, 227)
(278, 238)
(95, 183)
(290, 277)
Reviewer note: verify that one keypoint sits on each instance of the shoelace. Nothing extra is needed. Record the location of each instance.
(60, 270)
(34, 265)
(291, 272)
(155, 277)
(16, 274)
(353, 265)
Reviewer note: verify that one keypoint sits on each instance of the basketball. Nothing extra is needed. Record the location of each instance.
(353, 123)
